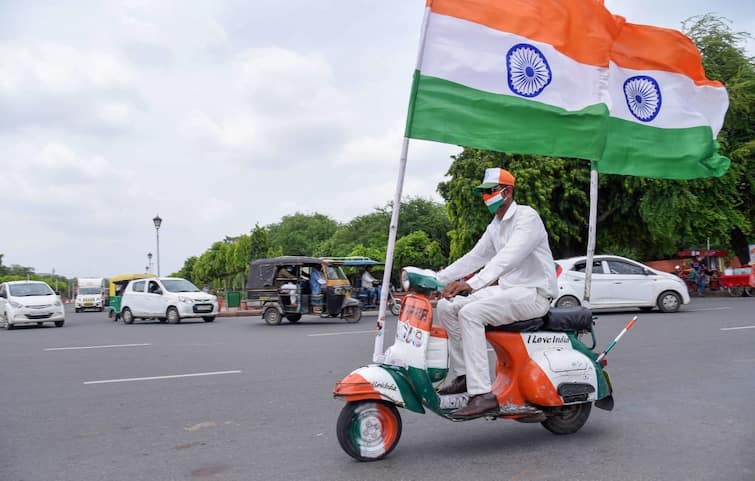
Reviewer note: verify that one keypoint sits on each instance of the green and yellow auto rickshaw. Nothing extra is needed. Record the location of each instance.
(291, 286)
(115, 290)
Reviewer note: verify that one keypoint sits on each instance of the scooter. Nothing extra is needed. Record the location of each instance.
(544, 374)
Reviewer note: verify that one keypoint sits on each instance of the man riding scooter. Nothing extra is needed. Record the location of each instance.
(513, 251)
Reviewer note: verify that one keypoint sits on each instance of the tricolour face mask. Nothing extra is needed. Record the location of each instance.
(494, 201)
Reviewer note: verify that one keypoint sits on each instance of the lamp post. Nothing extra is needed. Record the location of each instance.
(158, 221)
(149, 262)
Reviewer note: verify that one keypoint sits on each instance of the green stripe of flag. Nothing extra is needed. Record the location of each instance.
(452, 113)
(635, 149)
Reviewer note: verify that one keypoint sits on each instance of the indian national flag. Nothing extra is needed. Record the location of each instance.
(567, 78)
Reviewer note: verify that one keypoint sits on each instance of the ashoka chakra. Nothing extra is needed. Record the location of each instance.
(528, 70)
(643, 97)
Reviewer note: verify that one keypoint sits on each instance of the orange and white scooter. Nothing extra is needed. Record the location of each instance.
(544, 373)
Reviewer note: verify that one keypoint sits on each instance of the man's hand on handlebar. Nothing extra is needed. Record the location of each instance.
(454, 288)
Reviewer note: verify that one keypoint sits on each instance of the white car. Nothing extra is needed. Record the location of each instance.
(167, 299)
(29, 302)
(619, 283)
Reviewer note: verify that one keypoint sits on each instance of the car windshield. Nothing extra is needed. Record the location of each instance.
(335, 272)
(88, 291)
(179, 285)
(30, 289)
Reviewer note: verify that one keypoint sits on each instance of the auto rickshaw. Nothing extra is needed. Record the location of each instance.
(291, 286)
(115, 290)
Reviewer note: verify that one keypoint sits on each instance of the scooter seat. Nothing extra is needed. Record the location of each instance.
(530, 325)
(568, 319)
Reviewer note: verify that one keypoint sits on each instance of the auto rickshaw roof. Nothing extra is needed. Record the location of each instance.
(355, 261)
(262, 271)
(128, 277)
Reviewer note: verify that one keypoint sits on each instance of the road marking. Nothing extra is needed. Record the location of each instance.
(736, 328)
(153, 378)
(96, 347)
(707, 309)
(341, 333)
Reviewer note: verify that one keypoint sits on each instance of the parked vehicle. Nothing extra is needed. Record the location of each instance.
(545, 374)
(90, 294)
(619, 283)
(116, 287)
(285, 287)
(29, 302)
(168, 299)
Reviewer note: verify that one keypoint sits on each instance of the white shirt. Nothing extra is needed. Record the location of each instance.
(367, 279)
(513, 250)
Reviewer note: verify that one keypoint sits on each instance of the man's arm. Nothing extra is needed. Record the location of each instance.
(528, 232)
(481, 253)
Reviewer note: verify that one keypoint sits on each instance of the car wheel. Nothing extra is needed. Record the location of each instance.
(59, 323)
(569, 420)
(272, 316)
(127, 316)
(368, 430)
(669, 301)
(568, 301)
(749, 291)
(208, 318)
(78, 309)
(293, 318)
(172, 315)
(351, 314)
(6, 322)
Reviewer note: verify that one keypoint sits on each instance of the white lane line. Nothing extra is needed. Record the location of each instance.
(708, 309)
(341, 333)
(736, 328)
(96, 347)
(153, 378)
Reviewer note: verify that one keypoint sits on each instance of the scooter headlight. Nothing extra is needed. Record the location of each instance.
(404, 280)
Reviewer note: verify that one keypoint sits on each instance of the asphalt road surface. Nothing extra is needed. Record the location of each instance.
(240, 400)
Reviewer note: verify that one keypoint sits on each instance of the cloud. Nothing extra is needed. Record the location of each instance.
(67, 88)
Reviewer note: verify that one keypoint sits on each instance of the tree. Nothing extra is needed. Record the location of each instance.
(418, 250)
(301, 234)
(724, 58)
(259, 243)
(187, 271)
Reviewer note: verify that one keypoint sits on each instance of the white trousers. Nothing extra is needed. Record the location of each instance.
(465, 318)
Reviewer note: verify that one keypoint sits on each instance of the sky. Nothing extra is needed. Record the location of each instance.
(217, 115)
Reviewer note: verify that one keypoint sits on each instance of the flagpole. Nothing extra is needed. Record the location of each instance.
(378, 355)
(591, 231)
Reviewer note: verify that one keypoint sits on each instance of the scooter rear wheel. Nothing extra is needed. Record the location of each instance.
(368, 430)
(569, 419)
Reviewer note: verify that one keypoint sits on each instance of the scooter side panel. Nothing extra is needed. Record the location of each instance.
(551, 354)
(377, 382)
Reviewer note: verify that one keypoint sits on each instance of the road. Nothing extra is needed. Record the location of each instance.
(96, 400)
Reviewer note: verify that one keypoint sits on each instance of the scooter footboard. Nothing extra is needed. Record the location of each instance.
(377, 382)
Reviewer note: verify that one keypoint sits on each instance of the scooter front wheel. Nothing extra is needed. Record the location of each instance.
(368, 430)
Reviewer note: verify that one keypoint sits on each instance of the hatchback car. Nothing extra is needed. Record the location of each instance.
(618, 282)
(167, 299)
(29, 302)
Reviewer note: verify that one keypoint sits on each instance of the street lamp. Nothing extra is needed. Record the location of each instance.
(158, 221)
(149, 261)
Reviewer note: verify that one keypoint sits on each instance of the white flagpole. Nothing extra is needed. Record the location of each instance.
(378, 355)
(591, 231)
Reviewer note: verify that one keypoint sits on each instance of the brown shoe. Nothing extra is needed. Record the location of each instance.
(457, 386)
(479, 405)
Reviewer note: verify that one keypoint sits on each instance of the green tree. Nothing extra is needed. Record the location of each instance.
(725, 59)
(187, 271)
(301, 234)
(259, 243)
(418, 250)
